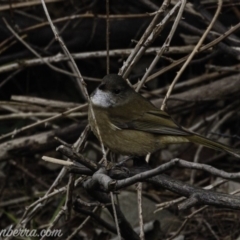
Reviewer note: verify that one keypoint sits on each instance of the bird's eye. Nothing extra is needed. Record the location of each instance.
(116, 91)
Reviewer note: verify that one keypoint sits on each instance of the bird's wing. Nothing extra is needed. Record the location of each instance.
(158, 122)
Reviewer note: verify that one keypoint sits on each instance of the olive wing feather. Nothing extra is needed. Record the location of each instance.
(158, 122)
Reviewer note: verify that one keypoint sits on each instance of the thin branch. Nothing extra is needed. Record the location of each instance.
(214, 128)
(195, 50)
(80, 81)
(17, 131)
(82, 55)
(164, 47)
(33, 51)
(76, 231)
(170, 203)
(41, 114)
(138, 50)
(24, 4)
(205, 47)
(107, 36)
(115, 216)
(140, 214)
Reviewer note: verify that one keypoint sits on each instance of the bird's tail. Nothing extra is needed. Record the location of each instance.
(214, 145)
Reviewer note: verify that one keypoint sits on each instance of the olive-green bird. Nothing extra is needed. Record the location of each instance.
(131, 125)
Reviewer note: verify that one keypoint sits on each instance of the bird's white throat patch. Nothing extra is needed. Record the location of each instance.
(102, 99)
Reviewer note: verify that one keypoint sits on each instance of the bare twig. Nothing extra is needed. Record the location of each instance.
(143, 42)
(205, 47)
(44, 102)
(75, 232)
(164, 47)
(82, 55)
(196, 49)
(28, 173)
(33, 51)
(41, 115)
(17, 131)
(115, 216)
(170, 203)
(80, 81)
(107, 36)
(24, 4)
(140, 215)
(214, 128)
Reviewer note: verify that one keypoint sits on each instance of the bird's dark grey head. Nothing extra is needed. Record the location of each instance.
(113, 91)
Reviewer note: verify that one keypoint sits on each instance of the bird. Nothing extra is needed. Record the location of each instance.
(129, 124)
